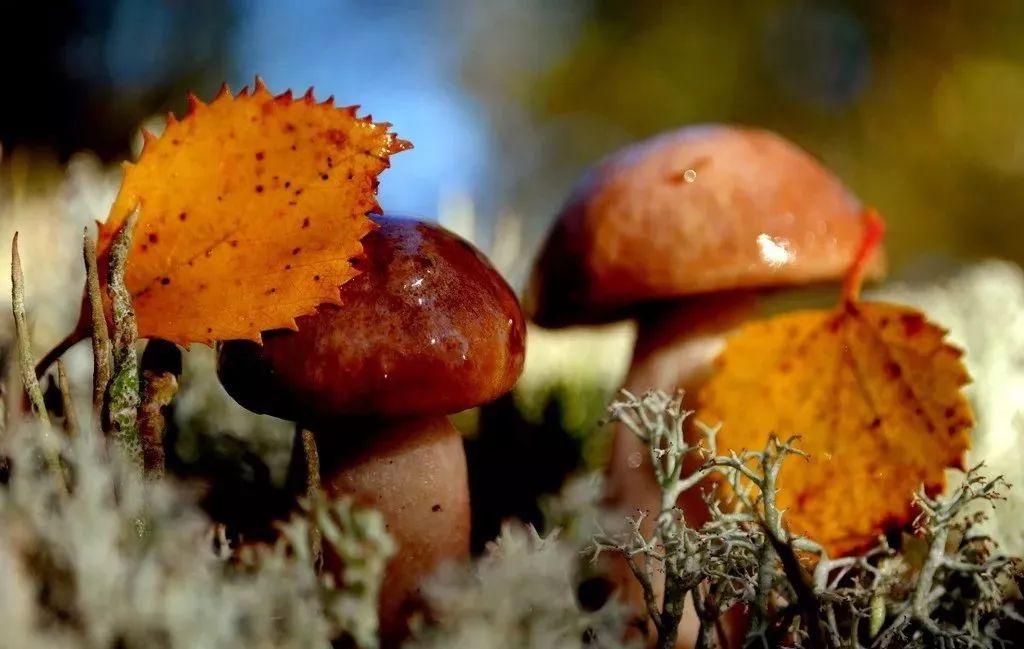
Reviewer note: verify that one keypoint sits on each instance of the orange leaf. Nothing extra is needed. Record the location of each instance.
(874, 392)
(252, 208)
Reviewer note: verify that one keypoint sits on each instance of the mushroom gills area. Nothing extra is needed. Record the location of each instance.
(414, 472)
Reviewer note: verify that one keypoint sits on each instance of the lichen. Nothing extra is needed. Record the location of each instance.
(520, 595)
(78, 575)
(960, 591)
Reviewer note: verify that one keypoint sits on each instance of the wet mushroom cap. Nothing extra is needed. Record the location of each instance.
(701, 209)
(428, 328)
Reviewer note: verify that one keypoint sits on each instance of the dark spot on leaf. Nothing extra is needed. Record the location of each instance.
(335, 136)
(913, 323)
(287, 266)
(350, 175)
(293, 203)
(259, 155)
(296, 251)
(355, 261)
(324, 177)
(316, 278)
(893, 371)
(259, 189)
(233, 243)
(875, 423)
(287, 184)
(289, 128)
(145, 247)
(305, 223)
(182, 216)
(153, 238)
(295, 148)
(436, 508)
(209, 330)
(835, 323)
(950, 412)
(165, 280)
(175, 141)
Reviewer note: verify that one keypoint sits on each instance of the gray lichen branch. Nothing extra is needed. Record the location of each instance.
(123, 391)
(26, 362)
(67, 403)
(963, 593)
(99, 334)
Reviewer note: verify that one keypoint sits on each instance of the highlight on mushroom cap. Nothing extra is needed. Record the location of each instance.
(704, 208)
(428, 327)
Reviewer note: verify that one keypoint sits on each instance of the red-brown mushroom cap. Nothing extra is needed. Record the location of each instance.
(428, 328)
(702, 209)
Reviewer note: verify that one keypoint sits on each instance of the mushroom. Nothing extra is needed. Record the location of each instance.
(682, 232)
(428, 329)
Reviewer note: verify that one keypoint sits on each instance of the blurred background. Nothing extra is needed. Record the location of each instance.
(917, 105)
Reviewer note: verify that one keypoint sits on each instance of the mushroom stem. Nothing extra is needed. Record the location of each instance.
(674, 350)
(414, 472)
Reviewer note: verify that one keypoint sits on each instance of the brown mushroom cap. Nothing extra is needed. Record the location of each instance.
(428, 328)
(702, 209)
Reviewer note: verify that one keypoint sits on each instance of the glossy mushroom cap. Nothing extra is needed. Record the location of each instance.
(702, 209)
(428, 328)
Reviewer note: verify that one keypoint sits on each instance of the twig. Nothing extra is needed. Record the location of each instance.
(100, 336)
(25, 358)
(158, 391)
(68, 404)
(27, 362)
(806, 601)
(5, 378)
(161, 366)
(312, 458)
(123, 391)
